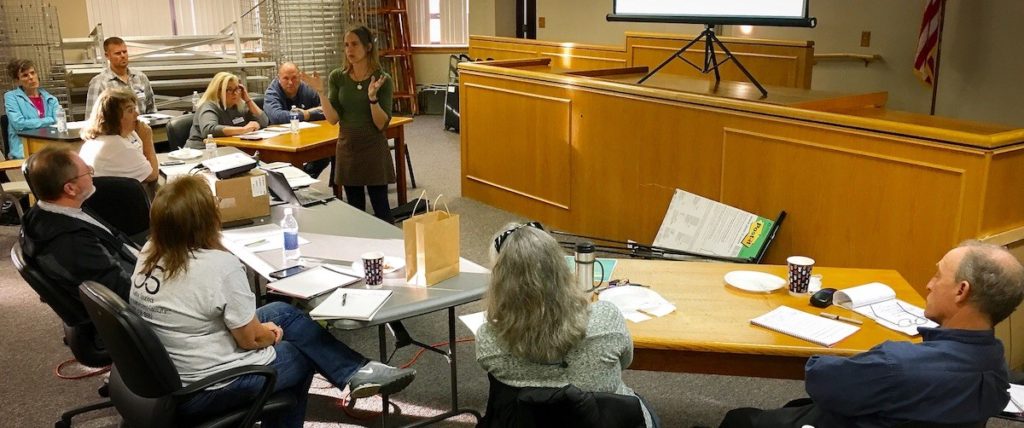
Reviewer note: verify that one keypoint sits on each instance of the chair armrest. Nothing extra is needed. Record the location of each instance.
(266, 371)
(257, 404)
(11, 164)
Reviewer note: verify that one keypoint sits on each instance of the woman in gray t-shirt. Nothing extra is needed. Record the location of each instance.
(541, 331)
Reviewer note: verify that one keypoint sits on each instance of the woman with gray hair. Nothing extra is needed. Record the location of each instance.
(541, 330)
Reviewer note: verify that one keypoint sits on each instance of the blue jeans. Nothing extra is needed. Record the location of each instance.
(305, 347)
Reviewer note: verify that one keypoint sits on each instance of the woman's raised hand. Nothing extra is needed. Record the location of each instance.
(375, 84)
(313, 80)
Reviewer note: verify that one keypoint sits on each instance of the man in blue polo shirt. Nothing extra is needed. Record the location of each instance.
(287, 91)
(956, 375)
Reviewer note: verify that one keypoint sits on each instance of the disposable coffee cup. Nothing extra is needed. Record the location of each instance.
(373, 268)
(799, 274)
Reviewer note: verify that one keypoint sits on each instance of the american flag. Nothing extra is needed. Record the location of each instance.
(928, 42)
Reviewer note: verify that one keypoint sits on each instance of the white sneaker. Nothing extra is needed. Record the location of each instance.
(379, 378)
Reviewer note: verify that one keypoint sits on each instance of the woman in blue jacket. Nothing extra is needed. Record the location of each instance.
(28, 106)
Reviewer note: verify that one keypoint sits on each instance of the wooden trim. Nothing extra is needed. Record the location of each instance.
(1005, 238)
(440, 49)
(868, 59)
(1008, 138)
(11, 164)
(587, 57)
(724, 39)
(610, 71)
(545, 43)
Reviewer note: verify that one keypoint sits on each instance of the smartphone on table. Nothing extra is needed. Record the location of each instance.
(288, 271)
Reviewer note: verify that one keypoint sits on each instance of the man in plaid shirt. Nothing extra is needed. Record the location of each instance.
(118, 75)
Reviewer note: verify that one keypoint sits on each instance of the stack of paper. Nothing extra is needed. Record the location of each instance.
(353, 304)
(311, 283)
(1016, 404)
(637, 303)
(878, 302)
(803, 325)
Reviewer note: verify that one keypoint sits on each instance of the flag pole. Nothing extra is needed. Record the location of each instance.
(938, 55)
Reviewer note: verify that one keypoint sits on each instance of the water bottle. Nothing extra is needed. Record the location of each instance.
(195, 101)
(291, 235)
(585, 266)
(62, 120)
(211, 147)
(294, 116)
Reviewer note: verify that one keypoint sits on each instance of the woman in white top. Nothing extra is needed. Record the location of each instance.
(196, 297)
(117, 143)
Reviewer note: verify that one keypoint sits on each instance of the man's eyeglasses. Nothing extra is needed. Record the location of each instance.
(906, 318)
(91, 172)
(504, 235)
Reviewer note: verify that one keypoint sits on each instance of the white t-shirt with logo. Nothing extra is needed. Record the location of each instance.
(117, 156)
(194, 313)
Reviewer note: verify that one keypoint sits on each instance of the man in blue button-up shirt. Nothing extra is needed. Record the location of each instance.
(956, 375)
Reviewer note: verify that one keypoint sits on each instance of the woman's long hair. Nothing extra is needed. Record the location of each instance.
(366, 38)
(107, 112)
(184, 218)
(533, 304)
(216, 91)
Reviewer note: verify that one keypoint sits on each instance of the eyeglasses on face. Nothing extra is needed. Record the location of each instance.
(235, 90)
(90, 172)
(504, 235)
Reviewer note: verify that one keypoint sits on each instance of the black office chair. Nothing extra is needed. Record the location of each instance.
(4, 124)
(178, 130)
(509, 406)
(913, 424)
(79, 333)
(123, 203)
(144, 384)
(258, 99)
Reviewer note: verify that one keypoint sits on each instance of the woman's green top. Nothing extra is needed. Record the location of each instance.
(351, 101)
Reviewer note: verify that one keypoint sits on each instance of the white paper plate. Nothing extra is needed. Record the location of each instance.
(630, 298)
(185, 153)
(391, 264)
(755, 282)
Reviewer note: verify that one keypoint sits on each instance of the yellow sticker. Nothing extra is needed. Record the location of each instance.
(755, 232)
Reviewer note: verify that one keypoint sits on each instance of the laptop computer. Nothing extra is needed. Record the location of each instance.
(306, 196)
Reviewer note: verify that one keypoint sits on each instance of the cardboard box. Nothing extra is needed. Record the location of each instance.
(242, 197)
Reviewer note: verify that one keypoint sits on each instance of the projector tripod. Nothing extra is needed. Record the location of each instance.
(710, 58)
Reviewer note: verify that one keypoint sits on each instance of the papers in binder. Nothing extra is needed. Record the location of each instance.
(698, 224)
(353, 304)
(312, 282)
(803, 325)
(878, 302)
(1016, 404)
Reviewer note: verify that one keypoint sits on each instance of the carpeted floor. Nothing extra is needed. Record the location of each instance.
(31, 347)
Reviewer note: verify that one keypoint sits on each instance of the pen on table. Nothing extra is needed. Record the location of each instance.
(344, 297)
(839, 318)
(255, 243)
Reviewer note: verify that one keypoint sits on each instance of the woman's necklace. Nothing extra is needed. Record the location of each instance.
(359, 82)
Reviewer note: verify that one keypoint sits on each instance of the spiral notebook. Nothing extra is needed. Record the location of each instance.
(351, 303)
(803, 325)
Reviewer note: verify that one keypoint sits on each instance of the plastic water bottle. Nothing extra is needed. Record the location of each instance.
(195, 101)
(294, 116)
(291, 235)
(62, 120)
(211, 147)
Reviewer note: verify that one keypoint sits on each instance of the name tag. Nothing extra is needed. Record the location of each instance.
(237, 120)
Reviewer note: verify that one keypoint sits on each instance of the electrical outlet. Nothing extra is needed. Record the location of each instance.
(540, 22)
(865, 39)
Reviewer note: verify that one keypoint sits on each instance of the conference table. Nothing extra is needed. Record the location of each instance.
(316, 143)
(35, 140)
(710, 330)
(338, 219)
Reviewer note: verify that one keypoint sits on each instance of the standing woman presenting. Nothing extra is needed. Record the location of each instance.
(358, 96)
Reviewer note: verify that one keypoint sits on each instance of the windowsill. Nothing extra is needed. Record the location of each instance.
(440, 49)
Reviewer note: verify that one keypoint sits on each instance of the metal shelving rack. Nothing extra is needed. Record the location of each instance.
(306, 32)
(31, 30)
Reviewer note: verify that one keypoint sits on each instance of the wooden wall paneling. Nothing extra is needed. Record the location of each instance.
(846, 207)
(772, 63)
(1004, 192)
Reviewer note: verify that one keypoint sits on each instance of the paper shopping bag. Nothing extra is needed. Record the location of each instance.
(431, 247)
